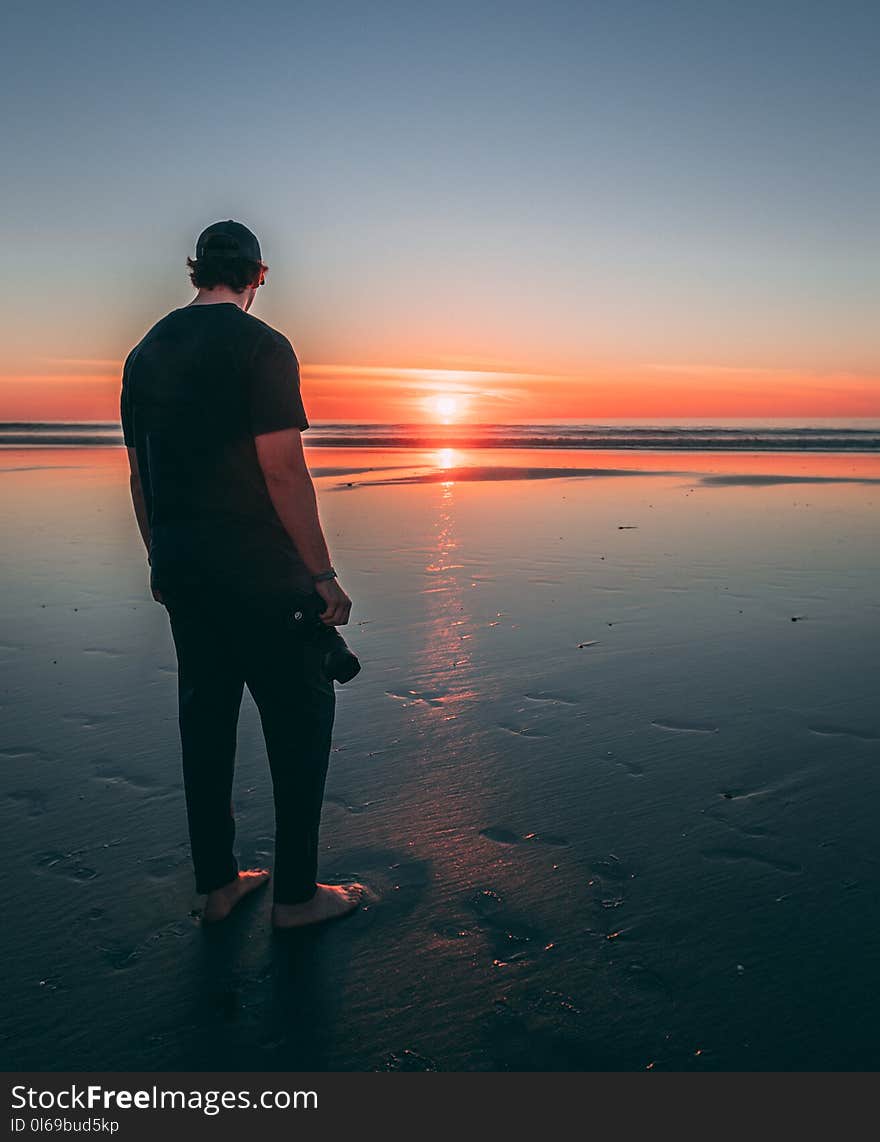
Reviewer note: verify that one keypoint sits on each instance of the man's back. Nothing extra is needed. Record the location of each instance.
(224, 501)
(197, 389)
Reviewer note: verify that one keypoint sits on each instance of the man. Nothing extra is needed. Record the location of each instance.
(212, 417)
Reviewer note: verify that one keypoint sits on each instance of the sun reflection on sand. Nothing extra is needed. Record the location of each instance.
(447, 458)
(446, 654)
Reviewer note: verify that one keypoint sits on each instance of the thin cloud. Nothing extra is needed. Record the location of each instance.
(90, 362)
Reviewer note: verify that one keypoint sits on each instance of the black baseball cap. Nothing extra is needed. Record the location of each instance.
(228, 240)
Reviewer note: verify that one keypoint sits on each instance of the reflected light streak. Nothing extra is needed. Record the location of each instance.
(447, 658)
(446, 458)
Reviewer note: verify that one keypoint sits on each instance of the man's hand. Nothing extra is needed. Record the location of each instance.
(338, 603)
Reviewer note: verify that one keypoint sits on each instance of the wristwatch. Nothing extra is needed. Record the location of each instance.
(324, 576)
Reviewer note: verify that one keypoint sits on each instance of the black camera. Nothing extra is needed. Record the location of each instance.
(340, 661)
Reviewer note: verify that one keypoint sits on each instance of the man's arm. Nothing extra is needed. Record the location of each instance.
(137, 498)
(140, 509)
(292, 492)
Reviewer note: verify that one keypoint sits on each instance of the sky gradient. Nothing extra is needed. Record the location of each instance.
(558, 210)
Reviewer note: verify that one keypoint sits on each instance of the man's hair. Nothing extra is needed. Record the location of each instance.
(236, 273)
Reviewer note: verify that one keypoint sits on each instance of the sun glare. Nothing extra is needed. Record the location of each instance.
(445, 406)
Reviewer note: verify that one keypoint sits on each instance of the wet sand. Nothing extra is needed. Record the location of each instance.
(611, 765)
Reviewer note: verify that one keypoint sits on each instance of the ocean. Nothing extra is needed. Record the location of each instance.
(824, 435)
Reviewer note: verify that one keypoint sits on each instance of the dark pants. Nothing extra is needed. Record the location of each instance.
(222, 647)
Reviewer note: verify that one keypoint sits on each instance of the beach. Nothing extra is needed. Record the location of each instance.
(611, 770)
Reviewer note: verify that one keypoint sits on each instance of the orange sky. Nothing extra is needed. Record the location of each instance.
(374, 393)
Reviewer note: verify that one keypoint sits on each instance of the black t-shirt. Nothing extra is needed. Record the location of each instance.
(196, 390)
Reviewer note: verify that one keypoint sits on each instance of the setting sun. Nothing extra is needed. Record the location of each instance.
(445, 406)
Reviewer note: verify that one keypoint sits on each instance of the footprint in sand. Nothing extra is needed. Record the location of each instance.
(609, 868)
(521, 731)
(116, 776)
(122, 956)
(507, 837)
(64, 864)
(511, 940)
(631, 767)
(551, 1002)
(119, 958)
(552, 699)
(23, 753)
(350, 806)
(754, 831)
(88, 721)
(748, 794)
(485, 902)
(684, 727)
(844, 732)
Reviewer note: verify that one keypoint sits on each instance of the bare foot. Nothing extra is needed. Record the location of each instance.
(221, 901)
(329, 902)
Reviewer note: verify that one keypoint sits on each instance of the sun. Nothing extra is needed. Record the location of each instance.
(445, 406)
